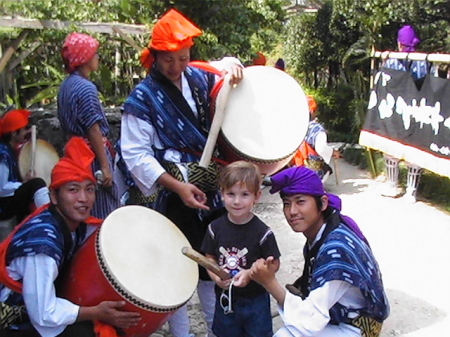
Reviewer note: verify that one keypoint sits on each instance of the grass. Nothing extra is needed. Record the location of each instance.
(433, 188)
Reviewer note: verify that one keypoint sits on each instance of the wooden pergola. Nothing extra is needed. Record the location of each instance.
(123, 30)
(7, 64)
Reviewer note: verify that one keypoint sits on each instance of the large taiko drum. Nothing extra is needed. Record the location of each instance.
(135, 256)
(265, 119)
(45, 158)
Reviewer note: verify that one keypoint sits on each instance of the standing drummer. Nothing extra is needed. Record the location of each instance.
(16, 194)
(163, 133)
(32, 257)
(314, 152)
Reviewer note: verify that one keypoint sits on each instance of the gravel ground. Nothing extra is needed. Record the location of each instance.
(410, 242)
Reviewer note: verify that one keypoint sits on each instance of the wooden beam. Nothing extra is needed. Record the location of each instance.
(127, 39)
(443, 58)
(95, 27)
(23, 55)
(12, 49)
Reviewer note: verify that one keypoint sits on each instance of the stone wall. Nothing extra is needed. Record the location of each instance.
(49, 128)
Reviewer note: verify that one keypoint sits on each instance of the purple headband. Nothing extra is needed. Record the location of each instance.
(301, 180)
(279, 64)
(407, 38)
(297, 180)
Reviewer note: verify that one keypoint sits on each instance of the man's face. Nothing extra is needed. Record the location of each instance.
(172, 63)
(74, 200)
(19, 136)
(303, 215)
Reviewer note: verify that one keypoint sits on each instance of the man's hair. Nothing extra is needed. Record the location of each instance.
(7, 136)
(241, 172)
(326, 212)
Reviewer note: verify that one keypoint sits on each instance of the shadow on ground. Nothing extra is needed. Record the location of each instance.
(409, 314)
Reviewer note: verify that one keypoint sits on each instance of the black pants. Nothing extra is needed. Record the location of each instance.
(81, 329)
(18, 204)
(187, 220)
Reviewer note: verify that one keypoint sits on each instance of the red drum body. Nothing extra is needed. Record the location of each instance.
(266, 119)
(135, 256)
(45, 158)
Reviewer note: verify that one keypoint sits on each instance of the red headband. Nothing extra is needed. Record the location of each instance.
(78, 49)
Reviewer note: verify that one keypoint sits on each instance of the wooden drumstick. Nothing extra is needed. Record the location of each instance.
(33, 149)
(205, 262)
(336, 179)
(216, 123)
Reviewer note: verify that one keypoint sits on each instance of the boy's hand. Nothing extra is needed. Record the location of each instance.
(224, 284)
(242, 278)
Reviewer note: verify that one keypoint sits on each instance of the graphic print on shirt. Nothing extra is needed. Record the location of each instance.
(233, 259)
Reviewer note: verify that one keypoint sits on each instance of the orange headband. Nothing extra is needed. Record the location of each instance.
(75, 165)
(311, 103)
(172, 32)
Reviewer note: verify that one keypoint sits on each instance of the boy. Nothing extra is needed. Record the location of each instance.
(235, 241)
(340, 292)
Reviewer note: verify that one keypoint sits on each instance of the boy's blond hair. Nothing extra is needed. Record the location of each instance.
(241, 172)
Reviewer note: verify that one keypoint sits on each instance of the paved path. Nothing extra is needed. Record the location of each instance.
(410, 242)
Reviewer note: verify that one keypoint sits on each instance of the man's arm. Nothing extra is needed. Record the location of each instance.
(50, 314)
(137, 152)
(323, 149)
(7, 188)
(96, 140)
(310, 316)
(263, 271)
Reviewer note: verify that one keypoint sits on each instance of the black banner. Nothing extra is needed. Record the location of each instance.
(409, 120)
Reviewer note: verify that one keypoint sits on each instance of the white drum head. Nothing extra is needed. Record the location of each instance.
(266, 115)
(46, 158)
(141, 250)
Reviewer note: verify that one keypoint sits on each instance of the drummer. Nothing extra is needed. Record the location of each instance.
(163, 133)
(314, 152)
(33, 255)
(341, 291)
(17, 195)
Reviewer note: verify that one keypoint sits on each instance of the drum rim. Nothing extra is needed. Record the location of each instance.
(253, 159)
(129, 297)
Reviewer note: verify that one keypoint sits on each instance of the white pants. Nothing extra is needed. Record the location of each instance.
(179, 321)
(342, 330)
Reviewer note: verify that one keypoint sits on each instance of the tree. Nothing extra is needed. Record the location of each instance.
(331, 50)
(230, 27)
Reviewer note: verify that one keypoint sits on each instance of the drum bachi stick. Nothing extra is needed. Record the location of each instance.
(205, 262)
(216, 124)
(33, 150)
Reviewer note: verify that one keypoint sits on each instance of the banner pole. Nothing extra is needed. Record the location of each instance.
(369, 154)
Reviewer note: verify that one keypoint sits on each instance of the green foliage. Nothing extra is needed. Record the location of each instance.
(330, 51)
(230, 27)
(436, 189)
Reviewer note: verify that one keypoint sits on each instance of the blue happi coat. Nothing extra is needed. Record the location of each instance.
(46, 233)
(341, 255)
(157, 101)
